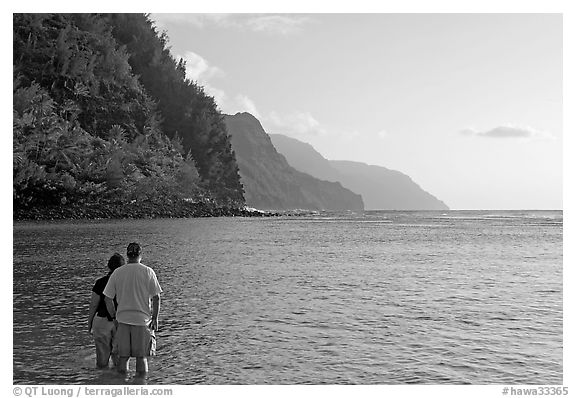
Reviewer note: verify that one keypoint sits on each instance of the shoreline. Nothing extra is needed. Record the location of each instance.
(135, 211)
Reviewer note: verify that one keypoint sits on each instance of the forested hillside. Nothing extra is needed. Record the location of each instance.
(187, 112)
(104, 118)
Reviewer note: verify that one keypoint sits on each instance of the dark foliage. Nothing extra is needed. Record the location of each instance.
(87, 132)
(187, 111)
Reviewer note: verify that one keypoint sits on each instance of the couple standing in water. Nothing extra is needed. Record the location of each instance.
(124, 312)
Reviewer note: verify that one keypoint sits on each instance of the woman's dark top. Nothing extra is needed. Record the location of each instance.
(98, 288)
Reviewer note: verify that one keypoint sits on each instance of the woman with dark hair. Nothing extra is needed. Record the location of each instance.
(100, 323)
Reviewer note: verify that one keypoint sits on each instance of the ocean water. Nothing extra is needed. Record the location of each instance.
(329, 298)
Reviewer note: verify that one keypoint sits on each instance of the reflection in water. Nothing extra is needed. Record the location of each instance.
(389, 297)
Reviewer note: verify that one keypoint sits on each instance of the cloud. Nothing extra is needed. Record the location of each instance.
(296, 124)
(303, 125)
(382, 134)
(353, 135)
(202, 72)
(245, 104)
(198, 68)
(510, 132)
(220, 97)
(232, 105)
(198, 20)
(282, 24)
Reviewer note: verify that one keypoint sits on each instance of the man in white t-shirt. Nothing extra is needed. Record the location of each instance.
(135, 287)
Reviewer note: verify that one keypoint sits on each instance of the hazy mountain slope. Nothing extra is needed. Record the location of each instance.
(380, 187)
(271, 183)
(304, 157)
(384, 188)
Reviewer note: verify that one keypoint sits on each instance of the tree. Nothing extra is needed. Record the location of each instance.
(186, 110)
(84, 128)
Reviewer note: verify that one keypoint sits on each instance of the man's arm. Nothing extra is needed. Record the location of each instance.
(155, 311)
(109, 294)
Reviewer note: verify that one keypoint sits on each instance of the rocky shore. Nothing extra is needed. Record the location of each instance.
(180, 209)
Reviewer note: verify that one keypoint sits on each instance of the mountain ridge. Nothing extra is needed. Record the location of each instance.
(270, 183)
(381, 188)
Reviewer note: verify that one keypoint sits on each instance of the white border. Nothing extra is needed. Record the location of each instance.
(307, 6)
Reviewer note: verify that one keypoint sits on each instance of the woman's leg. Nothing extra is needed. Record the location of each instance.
(102, 331)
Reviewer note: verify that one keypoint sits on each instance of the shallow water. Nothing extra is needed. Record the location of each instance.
(370, 298)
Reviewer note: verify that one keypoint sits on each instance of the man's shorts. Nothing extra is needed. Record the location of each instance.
(133, 341)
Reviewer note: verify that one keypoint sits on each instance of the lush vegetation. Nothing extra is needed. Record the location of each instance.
(104, 118)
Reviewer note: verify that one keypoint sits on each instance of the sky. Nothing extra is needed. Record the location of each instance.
(468, 105)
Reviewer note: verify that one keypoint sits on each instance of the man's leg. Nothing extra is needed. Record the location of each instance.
(123, 364)
(141, 366)
(141, 348)
(124, 350)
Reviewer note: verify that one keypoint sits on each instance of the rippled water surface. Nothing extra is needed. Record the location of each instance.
(377, 297)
